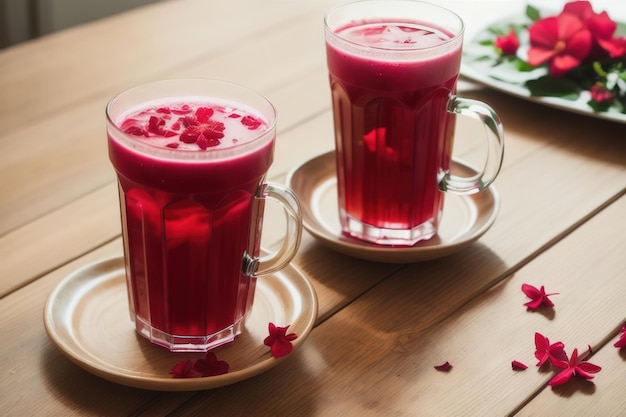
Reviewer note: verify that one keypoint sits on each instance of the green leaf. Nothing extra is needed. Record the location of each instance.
(548, 86)
(532, 13)
(597, 66)
(523, 66)
(486, 42)
(599, 107)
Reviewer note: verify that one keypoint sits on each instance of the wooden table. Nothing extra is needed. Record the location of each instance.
(381, 327)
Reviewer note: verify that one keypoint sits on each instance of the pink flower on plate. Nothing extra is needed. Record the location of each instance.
(563, 41)
(600, 94)
(508, 44)
(601, 27)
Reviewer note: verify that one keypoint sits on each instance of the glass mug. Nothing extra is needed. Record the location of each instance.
(393, 67)
(191, 157)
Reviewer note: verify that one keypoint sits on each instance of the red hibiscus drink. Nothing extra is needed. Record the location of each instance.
(191, 157)
(393, 69)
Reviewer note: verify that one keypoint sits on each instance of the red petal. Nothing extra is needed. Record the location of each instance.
(281, 347)
(518, 366)
(621, 342)
(189, 121)
(569, 26)
(203, 114)
(534, 304)
(585, 369)
(601, 26)
(579, 44)
(189, 136)
(154, 125)
(444, 367)
(279, 341)
(211, 366)
(542, 345)
(184, 109)
(537, 55)
(531, 291)
(541, 342)
(251, 122)
(558, 357)
(136, 131)
(581, 9)
(202, 142)
(184, 369)
(562, 377)
(615, 47)
(544, 33)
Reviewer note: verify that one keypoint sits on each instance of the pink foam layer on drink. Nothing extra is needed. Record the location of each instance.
(394, 35)
(190, 145)
(190, 126)
(386, 55)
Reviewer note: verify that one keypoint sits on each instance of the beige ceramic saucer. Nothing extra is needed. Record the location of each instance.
(464, 220)
(87, 317)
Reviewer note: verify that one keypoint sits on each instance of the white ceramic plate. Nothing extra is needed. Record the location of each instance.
(87, 317)
(464, 219)
(510, 81)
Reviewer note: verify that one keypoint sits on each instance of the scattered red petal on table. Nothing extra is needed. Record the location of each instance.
(621, 343)
(518, 366)
(444, 367)
(545, 351)
(279, 341)
(576, 366)
(538, 297)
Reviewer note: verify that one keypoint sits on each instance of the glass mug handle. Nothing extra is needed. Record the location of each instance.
(495, 150)
(264, 265)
